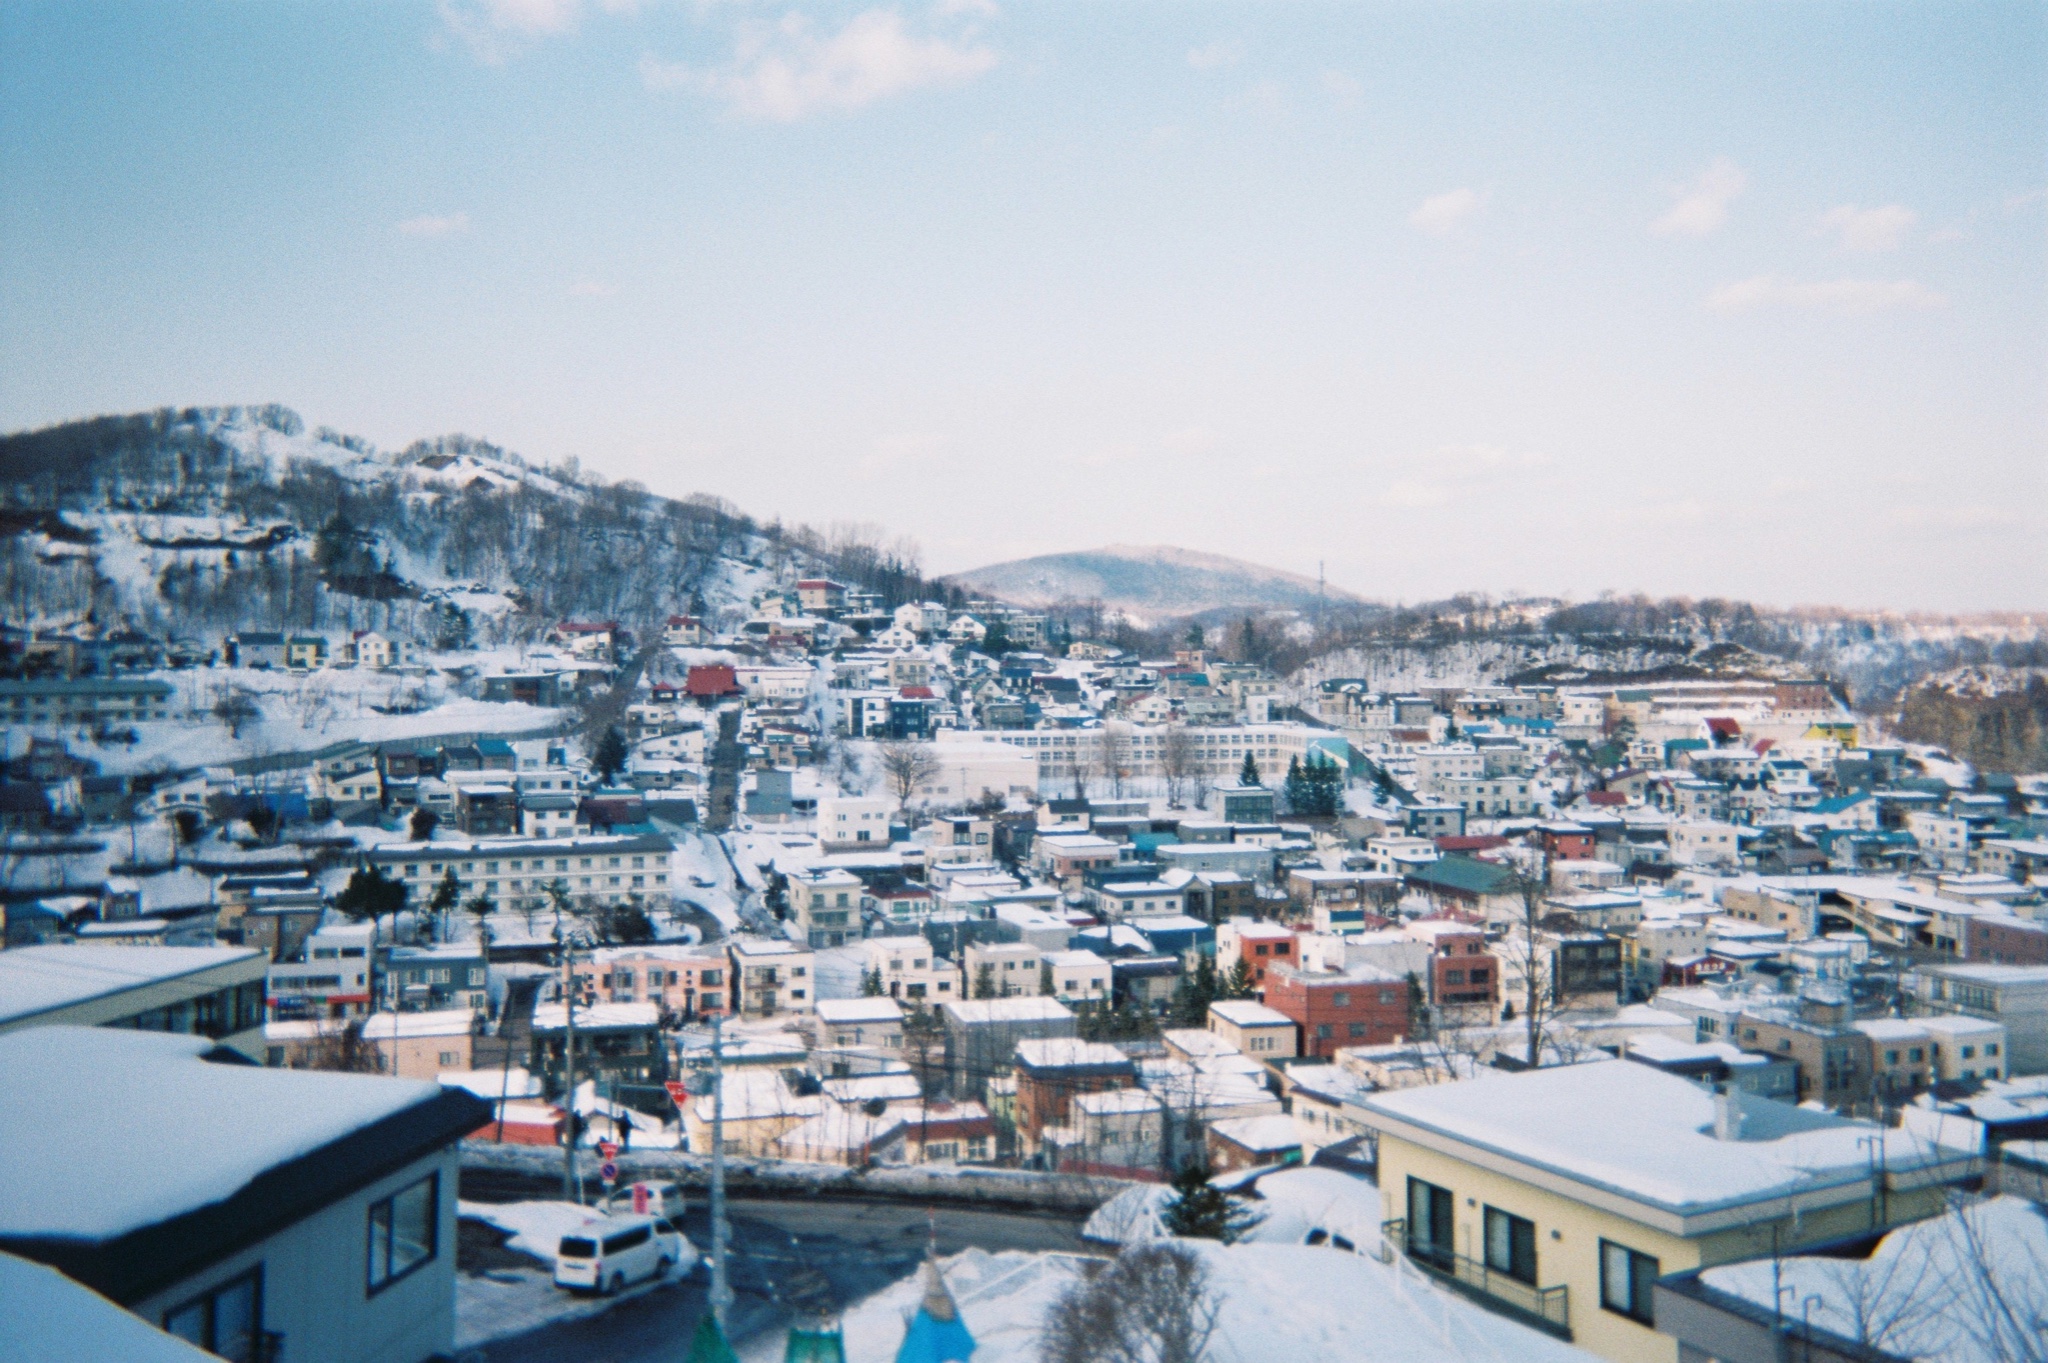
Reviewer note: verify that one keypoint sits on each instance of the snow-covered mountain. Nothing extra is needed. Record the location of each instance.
(1149, 583)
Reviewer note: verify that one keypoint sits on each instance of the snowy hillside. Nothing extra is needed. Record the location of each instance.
(197, 522)
(1148, 584)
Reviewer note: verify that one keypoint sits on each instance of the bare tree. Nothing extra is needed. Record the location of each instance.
(1179, 762)
(236, 708)
(1152, 1304)
(1113, 757)
(1529, 964)
(344, 1048)
(906, 766)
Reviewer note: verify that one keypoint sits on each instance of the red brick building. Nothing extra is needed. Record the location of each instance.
(1999, 939)
(1462, 973)
(1566, 841)
(1361, 1006)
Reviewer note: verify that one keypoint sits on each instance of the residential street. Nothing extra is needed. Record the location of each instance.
(789, 1257)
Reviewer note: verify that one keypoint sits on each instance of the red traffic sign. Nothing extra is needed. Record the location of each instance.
(608, 1148)
(640, 1199)
(608, 1171)
(677, 1091)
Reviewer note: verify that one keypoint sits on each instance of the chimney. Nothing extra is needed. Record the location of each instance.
(1728, 1113)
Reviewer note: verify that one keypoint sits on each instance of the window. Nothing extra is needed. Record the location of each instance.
(227, 1321)
(1625, 1279)
(404, 1229)
(1429, 1221)
(1511, 1245)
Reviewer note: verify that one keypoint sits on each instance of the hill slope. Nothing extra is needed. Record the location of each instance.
(1148, 583)
(203, 520)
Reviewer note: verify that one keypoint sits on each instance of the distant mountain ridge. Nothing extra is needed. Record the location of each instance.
(1150, 583)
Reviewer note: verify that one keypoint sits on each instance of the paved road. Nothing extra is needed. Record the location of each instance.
(722, 799)
(790, 1259)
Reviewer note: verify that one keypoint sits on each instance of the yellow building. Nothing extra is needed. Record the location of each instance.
(1562, 1194)
(1842, 731)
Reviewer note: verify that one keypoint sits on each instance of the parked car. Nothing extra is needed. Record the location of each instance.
(648, 1198)
(608, 1253)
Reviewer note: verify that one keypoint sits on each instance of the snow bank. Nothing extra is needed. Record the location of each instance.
(1279, 1304)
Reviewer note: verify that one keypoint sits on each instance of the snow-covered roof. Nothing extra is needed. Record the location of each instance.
(1267, 1132)
(41, 978)
(1034, 1008)
(843, 1012)
(493, 1084)
(1645, 1135)
(553, 1017)
(1246, 1013)
(435, 1022)
(45, 1317)
(212, 1127)
(1068, 1052)
(1967, 1287)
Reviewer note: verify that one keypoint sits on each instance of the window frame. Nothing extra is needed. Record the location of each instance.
(1641, 1307)
(389, 1205)
(1520, 1233)
(208, 1302)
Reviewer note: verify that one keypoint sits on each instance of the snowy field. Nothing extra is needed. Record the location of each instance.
(301, 713)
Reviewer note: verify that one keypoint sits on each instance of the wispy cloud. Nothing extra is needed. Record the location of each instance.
(494, 30)
(1442, 214)
(435, 225)
(1856, 297)
(1867, 231)
(1212, 56)
(789, 72)
(1702, 207)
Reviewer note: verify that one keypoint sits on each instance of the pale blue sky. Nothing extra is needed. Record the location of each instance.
(1736, 299)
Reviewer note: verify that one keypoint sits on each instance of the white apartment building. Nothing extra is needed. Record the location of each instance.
(911, 971)
(853, 820)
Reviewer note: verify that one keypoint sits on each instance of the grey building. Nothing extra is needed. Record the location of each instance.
(982, 1036)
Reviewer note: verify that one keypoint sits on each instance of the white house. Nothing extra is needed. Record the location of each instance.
(273, 1214)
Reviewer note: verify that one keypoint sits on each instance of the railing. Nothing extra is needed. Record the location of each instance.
(1546, 1307)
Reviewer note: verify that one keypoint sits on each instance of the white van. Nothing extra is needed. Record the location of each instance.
(606, 1253)
(650, 1197)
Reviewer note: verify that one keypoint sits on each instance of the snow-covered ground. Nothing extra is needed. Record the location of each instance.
(502, 1302)
(1277, 1304)
(300, 713)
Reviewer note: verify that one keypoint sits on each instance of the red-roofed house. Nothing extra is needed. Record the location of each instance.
(1607, 797)
(1470, 844)
(821, 595)
(917, 693)
(1722, 730)
(585, 638)
(711, 682)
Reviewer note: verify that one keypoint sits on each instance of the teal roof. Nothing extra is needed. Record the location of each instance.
(1463, 873)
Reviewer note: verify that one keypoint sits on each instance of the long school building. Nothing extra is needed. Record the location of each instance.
(516, 872)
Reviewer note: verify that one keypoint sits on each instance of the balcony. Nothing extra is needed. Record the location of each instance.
(1546, 1308)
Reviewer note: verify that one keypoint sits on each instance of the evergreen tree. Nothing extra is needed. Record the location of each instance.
(1200, 1210)
(1045, 979)
(1299, 797)
(985, 981)
(610, 755)
(871, 983)
(1239, 983)
(1248, 774)
(424, 821)
(996, 640)
(447, 894)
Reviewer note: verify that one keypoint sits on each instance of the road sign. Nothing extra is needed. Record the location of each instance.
(608, 1171)
(609, 1149)
(677, 1091)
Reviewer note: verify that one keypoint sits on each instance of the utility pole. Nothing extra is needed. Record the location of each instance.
(569, 1065)
(721, 1290)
